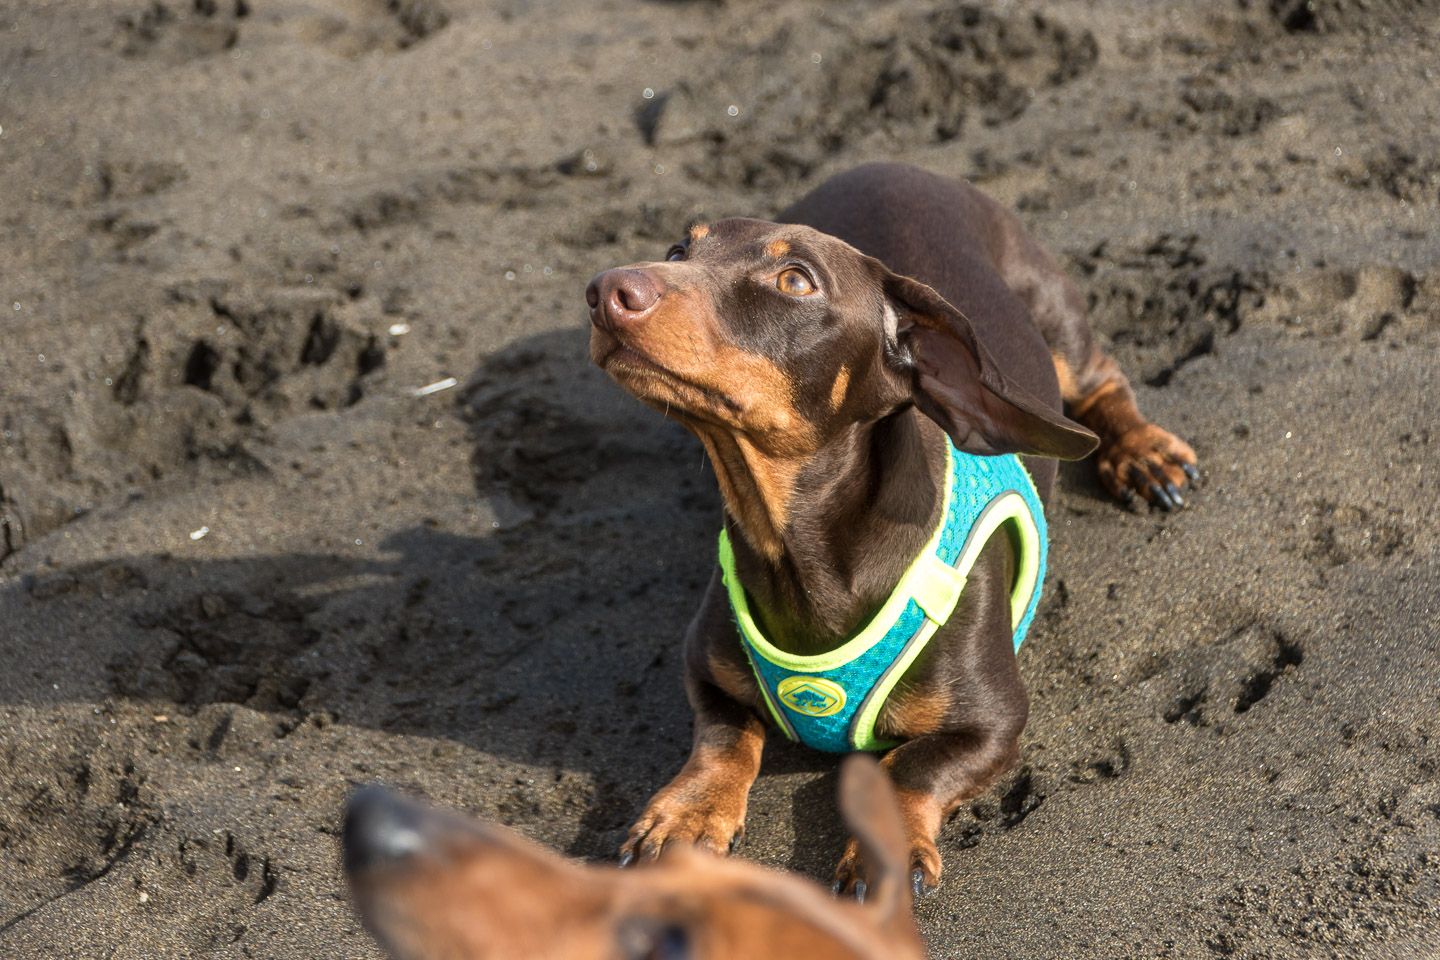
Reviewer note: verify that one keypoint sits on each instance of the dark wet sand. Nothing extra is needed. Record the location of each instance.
(232, 246)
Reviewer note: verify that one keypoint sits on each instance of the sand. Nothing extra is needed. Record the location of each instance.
(243, 567)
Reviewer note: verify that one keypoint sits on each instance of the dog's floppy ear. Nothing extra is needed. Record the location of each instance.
(957, 383)
(868, 804)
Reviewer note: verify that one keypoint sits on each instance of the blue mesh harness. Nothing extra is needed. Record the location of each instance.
(830, 701)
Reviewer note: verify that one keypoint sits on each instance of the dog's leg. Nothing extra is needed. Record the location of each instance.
(933, 775)
(1135, 455)
(705, 804)
(974, 680)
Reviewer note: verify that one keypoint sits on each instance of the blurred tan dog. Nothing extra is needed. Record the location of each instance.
(432, 885)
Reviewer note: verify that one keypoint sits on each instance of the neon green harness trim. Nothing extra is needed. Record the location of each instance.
(870, 664)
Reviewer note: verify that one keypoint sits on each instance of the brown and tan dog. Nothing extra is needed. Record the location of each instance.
(822, 361)
(431, 885)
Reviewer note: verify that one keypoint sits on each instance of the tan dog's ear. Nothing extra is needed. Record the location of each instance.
(957, 383)
(871, 811)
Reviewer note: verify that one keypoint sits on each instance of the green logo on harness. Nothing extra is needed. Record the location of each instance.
(812, 696)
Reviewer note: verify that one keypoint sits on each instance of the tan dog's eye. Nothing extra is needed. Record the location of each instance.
(795, 282)
(677, 252)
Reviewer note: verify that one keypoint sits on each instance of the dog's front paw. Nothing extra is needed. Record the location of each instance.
(1149, 461)
(853, 878)
(690, 813)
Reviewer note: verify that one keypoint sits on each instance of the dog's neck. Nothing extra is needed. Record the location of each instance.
(820, 562)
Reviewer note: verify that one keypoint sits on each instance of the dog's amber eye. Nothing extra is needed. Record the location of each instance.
(795, 282)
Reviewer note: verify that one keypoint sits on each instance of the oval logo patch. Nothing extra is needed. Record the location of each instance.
(812, 696)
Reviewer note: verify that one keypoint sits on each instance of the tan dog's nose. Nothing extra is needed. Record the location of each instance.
(620, 297)
(381, 827)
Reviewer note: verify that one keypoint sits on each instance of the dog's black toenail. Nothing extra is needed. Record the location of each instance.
(917, 884)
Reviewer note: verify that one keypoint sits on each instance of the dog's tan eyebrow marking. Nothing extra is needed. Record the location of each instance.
(839, 388)
(699, 231)
(777, 248)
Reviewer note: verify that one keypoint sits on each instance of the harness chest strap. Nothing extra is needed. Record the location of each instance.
(831, 701)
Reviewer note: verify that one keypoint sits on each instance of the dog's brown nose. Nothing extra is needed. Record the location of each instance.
(618, 297)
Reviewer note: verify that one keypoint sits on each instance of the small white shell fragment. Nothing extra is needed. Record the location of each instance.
(199, 534)
(435, 387)
(399, 329)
